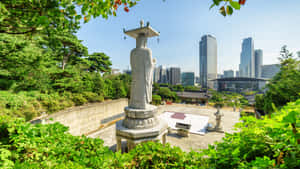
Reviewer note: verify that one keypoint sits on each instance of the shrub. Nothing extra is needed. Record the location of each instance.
(156, 99)
(92, 97)
(78, 99)
(23, 145)
(6, 84)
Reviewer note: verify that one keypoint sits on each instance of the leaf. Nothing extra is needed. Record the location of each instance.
(229, 10)
(235, 5)
(290, 118)
(217, 2)
(222, 11)
(212, 6)
(43, 20)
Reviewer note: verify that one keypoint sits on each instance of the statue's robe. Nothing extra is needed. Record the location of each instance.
(142, 76)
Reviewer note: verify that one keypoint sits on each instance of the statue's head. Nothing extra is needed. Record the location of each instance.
(141, 41)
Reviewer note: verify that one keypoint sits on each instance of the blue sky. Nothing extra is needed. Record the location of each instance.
(272, 24)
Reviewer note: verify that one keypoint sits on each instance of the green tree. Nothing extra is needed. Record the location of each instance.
(99, 62)
(155, 87)
(165, 93)
(52, 16)
(177, 88)
(284, 86)
(259, 102)
(66, 48)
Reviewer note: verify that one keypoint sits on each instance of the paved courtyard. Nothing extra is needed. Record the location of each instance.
(194, 141)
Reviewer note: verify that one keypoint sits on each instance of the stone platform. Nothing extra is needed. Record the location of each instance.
(136, 136)
(194, 141)
(140, 125)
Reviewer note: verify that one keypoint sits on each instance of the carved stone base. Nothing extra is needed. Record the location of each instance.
(136, 136)
(140, 123)
(140, 118)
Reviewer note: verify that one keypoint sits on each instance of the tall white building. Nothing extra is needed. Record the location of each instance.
(208, 61)
(247, 60)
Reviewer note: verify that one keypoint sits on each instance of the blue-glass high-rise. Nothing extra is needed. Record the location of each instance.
(247, 60)
(208, 61)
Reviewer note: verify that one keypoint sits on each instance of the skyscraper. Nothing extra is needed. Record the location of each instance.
(247, 60)
(228, 73)
(208, 61)
(237, 73)
(160, 75)
(188, 79)
(269, 71)
(156, 74)
(258, 62)
(174, 75)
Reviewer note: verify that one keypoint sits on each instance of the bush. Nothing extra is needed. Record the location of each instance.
(156, 155)
(23, 145)
(156, 99)
(268, 143)
(6, 84)
(92, 97)
(78, 99)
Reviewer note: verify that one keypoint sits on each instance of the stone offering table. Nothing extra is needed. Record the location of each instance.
(141, 123)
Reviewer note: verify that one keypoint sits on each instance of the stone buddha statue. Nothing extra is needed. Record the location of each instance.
(142, 66)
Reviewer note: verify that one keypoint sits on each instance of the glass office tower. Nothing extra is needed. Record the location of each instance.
(208, 61)
(247, 60)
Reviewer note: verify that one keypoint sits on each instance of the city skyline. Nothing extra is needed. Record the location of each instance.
(182, 24)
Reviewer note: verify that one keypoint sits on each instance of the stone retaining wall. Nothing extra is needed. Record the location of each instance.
(90, 117)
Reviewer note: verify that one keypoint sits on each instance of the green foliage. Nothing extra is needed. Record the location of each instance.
(178, 88)
(156, 99)
(192, 88)
(284, 86)
(75, 91)
(259, 102)
(272, 142)
(53, 67)
(99, 62)
(32, 17)
(227, 6)
(155, 155)
(227, 99)
(167, 94)
(78, 99)
(24, 145)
